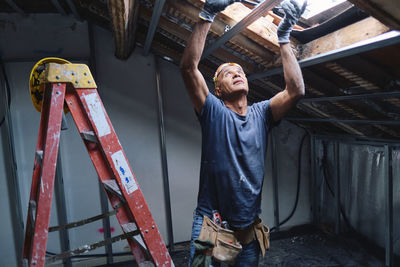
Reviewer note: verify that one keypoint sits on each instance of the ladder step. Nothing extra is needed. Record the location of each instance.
(112, 186)
(129, 227)
(39, 156)
(32, 214)
(90, 136)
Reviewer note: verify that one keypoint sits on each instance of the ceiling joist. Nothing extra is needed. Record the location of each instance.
(386, 11)
(124, 15)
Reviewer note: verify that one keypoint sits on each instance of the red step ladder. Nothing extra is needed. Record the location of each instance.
(73, 85)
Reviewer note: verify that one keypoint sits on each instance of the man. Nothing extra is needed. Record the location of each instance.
(234, 135)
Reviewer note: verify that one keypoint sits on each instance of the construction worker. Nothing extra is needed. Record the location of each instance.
(234, 135)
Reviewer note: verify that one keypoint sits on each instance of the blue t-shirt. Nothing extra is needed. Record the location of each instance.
(232, 160)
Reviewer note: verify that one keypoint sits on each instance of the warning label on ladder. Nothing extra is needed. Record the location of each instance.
(97, 113)
(121, 165)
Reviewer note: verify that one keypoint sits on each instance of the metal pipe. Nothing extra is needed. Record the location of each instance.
(153, 25)
(389, 207)
(344, 121)
(337, 189)
(314, 179)
(275, 181)
(380, 41)
(60, 9)
(393, 94)
(359, 140)
(61, 208)
(11, 170)
(257, 12)
(164, 157)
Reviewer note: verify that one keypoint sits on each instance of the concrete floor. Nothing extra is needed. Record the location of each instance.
(315, 248)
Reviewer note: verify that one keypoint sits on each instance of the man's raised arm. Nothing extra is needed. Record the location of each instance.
(282, 102)
(194, 80)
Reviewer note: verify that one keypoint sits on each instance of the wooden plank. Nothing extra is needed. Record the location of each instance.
(262, 31)
(386, 11)
(124, 16)
(190, 14)
(364, 29)
(183, 34)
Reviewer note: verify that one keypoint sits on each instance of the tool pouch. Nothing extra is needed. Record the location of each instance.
(226, 246)
(262, 234)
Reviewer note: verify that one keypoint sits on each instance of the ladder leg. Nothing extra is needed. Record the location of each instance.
(37, 225)
(101, 165)
(112, 167)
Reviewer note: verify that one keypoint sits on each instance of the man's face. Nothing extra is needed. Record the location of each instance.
(231, 80)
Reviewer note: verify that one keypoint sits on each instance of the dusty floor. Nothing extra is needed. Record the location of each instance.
(312, 249)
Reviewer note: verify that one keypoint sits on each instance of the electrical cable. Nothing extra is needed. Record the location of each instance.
(325, 172)
(294, 208)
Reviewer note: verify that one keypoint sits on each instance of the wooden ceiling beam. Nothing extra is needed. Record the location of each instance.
(262, 31)
(190, 14)
(184, 34)
(124, 14)
(386, 11)
(359, 31)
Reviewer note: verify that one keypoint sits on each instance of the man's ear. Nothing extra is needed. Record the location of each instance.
(217, 92)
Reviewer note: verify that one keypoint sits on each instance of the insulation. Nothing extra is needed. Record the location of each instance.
(362, 189)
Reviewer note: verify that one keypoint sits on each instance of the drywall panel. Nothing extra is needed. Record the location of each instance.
(42, 35)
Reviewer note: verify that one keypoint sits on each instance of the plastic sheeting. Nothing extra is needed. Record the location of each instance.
(362, 178)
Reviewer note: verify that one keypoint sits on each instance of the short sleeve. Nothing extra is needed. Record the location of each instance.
(212, 107)
(263, 109)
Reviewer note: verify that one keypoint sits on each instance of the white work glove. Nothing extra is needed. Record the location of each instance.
(292, 12)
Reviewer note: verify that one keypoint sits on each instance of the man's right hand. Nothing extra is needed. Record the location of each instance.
(212, 7)
(293, 12)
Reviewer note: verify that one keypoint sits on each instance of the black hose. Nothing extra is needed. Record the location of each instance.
(298, 184)
(326, 176)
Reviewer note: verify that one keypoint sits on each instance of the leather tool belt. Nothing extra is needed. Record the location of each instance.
(228, 243)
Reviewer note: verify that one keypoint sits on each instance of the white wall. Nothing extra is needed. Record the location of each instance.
(128, 90)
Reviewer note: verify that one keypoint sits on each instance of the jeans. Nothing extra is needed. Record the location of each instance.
(248, 257)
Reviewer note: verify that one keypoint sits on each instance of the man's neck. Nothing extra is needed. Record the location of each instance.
(238, 105)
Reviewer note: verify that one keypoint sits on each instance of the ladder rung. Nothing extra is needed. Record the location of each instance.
(129, 227)
(146, 264)
(39, 156)
(32, 213)
(90, 136)
(112, 186)
(25, 263)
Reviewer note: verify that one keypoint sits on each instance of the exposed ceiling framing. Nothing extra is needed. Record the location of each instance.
(352, 73)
